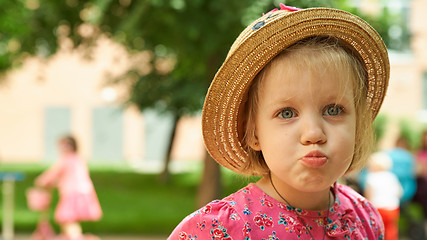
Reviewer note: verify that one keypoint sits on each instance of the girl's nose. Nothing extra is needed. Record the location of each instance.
(312, 131)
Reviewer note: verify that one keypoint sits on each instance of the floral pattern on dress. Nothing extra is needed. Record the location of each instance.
(218, 232)
(184, 236)
(247, 211)
(246, 231)
(292, 224)
(252, 214)
(234, 217)
(207, 209)
(341, 227)
(265, 202)
(201, 225)
(273, 237)
(263, 221)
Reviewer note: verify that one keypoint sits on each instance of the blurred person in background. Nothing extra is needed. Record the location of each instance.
(403, 162)
(383, 189)
(404, 168)
(421, 160)
(77, 197)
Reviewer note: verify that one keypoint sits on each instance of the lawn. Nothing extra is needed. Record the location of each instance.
(133, 203)
(138, 204)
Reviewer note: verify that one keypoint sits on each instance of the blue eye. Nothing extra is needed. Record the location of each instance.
(286, 113)
(333, 110)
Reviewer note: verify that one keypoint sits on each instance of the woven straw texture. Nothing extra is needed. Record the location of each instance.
(258, 44)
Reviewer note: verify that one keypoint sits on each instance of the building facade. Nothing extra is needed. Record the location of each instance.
(68, 94)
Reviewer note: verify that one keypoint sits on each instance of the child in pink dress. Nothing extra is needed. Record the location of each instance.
(77, 197)
(294, 103)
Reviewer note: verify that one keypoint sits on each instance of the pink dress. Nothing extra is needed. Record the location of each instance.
(252, 214)
(77, 197)
(421, 157)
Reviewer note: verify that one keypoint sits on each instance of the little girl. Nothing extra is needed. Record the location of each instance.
(384, 191)
(77, 198)
(294, 102)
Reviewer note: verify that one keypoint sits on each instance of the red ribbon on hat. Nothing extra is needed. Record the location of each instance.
(287, 8)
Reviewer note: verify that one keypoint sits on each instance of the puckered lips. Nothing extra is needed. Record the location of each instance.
(314, 159)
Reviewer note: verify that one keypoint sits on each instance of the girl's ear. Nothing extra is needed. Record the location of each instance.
(254, 144)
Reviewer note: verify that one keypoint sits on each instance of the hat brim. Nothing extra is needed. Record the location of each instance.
(257, 45)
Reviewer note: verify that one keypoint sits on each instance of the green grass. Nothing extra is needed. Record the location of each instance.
(133, 203)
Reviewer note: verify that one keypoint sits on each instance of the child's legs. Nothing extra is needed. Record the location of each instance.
(391, 223)
(71, 229)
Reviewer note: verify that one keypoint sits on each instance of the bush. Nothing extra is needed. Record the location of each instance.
(133, 203)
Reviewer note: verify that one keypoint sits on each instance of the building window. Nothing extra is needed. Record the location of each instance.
(56, 125)
(107, 127)
(425, 91)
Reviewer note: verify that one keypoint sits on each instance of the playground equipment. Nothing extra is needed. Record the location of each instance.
(9, 179)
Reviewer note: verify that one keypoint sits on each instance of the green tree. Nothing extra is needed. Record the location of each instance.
(196, 35)
(190, 37)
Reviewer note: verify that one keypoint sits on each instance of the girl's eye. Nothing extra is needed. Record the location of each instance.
(287, 113)
(333, 110)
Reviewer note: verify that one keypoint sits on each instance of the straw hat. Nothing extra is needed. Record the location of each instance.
(257, 45)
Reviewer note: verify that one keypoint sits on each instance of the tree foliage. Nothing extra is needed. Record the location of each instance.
(191, 35)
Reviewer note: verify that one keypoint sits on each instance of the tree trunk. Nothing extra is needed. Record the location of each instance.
(165, 174)
(210, 185)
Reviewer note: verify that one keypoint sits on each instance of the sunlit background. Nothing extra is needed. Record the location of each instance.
(128, 78)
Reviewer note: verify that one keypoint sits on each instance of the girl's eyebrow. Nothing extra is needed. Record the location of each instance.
(341, 99)
(280, 102)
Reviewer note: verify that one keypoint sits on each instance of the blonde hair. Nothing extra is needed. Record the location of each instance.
(70, 141)
(315, 53)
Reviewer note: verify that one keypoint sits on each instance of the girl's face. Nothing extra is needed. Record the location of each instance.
(65, 147)
(305, 126)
